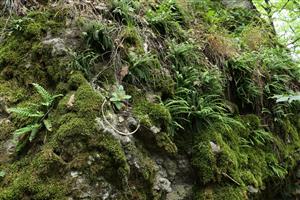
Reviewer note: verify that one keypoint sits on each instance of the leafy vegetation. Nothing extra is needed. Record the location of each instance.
(119, 97)
(37, 114)
(210, 83)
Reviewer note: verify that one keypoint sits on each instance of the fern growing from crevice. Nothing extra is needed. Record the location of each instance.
(37, 114)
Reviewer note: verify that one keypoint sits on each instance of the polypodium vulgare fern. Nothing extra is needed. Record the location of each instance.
(38, 115)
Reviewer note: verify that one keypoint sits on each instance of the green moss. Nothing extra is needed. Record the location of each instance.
(115, 168)
(205, 162)
(11, 92)
(164, 84)
(76, 80)
(28, 185)
(16, 64)
(48, 164)
(6, 129)
(251, 121)
(74, 127)
(229, 192)
(143, 170)
(223, 192)
(249, 179)
(289, 131)
(132, 38)
(87, 102)
(36, 24)
(152, 114)
(164, 142)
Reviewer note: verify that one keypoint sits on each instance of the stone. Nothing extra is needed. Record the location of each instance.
(155, 129)
(180, 192)
(162, 184)
(214, 147)
(252, 189)
(58, 46)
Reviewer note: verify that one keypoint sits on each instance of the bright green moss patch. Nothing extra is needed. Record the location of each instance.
(29, 185)
(204, 162)
(74, 127)
(152, 114)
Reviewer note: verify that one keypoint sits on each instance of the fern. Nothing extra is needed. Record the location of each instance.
(26, 112)
(44, 94)
(38, 114)
(26, 129)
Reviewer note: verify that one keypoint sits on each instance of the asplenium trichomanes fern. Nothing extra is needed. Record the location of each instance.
(38, 113)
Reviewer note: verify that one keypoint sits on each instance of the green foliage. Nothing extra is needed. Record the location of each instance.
(263, 74)
(284, 15)
(286, 98)
(156, 114)
(84, 61)
(118, 97)
(167, 18)
(124, 10)
(98, 37)
(2, 173)
(38, 117)
(143, 69)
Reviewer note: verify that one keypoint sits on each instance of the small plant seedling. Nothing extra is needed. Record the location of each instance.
(119, 97)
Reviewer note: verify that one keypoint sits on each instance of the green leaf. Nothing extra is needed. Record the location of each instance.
(114, 99)
(26, 112)
(2, 173)
(48, 124)
(26, 129)
(127, 97)
(56, 96)
(118, 104)
(34, 133)
(44, 94)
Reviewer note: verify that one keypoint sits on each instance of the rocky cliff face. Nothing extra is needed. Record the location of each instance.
(155, 100)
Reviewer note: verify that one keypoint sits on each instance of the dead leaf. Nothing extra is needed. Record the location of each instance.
(124, 71)
(71, 101)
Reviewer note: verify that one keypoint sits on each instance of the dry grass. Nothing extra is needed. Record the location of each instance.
(220, 48)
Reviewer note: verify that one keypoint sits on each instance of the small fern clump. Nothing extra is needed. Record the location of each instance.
(38, 114)
(97, 37)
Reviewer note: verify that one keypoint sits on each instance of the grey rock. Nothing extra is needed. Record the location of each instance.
(171, 167)
(252, 189)
(162, 184)
(214, 147)
(74, 174)
(180, 192)
(131, 121)
(10, 147)
(155, 129)
(58, 46)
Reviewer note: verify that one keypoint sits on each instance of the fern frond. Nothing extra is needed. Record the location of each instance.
(26, 112)
(34, 132)
(26, 129)
(44, 94)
